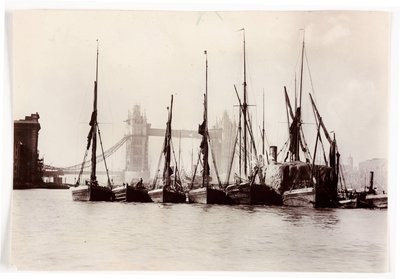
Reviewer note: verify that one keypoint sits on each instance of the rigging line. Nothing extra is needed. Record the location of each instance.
(295, 69)
(320, 139)
(304, 145)
(232, 158)
(341, 170)
(158, 167)
(309, 73)
(195, 170)
(213, 159)
(283, 146)
(246, 123)
(104, 159)
(82, 166)
(176, 166)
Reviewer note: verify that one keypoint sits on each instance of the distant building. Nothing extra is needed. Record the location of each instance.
(27, 165)
(223, 147)
(137, 147)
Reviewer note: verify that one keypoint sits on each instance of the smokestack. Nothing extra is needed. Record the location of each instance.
(273, 153)
(371, 181)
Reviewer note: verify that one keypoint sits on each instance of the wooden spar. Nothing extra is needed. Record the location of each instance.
(158, 168)
(244, 104)
(246, 124)
(179, 151)
(233, 153)
(214, 163)
(93, 178)
(289, 110)
(263, 129)
(315, 152)
(240, 141)
(328, 137)
(167, 166)
(301, 73)
(104, 158)
(205, 132)
(288, 104)
(206, 136)
(295, 90)
(297, 155)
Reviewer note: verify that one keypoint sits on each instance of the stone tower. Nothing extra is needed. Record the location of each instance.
(27, 165)
(137, 146)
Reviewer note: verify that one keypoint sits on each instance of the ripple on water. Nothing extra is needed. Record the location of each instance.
(51, 232)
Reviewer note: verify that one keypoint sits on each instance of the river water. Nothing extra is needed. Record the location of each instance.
(51, 232)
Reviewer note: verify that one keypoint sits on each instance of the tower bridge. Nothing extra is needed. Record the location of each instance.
(136, 139)
(137, 146)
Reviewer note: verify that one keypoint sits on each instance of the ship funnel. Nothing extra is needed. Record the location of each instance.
(273, 153)
(371, 180)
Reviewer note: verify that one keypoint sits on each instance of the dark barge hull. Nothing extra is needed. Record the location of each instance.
(377, 201)
(166, 196)
(348, 203)
(92, 193)
(245, 193)
(208, 196)
(134, 194)
(304, 197)
(317, 197)
(131, 194)
(120, 193)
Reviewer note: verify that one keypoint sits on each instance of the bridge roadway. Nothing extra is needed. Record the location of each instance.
(54, 171)
(156, 132)
(58, 172)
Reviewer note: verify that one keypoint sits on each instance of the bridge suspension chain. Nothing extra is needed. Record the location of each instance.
(100, 158)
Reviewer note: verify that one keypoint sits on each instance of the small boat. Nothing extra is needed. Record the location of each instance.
(348, 203)
(167, 192)
(370, 198)
(132, 193)
(348, 198)
(204, 192)
(91, 190)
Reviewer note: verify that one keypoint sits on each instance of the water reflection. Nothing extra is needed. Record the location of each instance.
(153, 236)
(327, 218)
(300, 216)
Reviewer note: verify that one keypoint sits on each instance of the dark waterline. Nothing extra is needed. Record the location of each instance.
(51, 232)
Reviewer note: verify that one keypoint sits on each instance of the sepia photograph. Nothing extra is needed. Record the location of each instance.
(200, 140)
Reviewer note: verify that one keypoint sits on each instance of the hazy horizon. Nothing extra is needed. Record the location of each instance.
(147, 56)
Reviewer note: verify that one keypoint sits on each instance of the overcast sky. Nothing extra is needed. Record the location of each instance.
(147, 56)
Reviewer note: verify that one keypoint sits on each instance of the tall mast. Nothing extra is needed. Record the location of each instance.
(94, 121)
(301, 72)
(240, 142)
(295, 90)
(297, 155)
(244, 104)
(263, 129)
(205, 133)
(167, 147)
(179, 152)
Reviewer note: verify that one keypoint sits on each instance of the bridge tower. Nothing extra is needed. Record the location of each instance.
(137, 146)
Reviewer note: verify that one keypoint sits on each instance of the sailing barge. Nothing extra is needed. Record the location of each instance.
(249, 189)
(168, 192)
(91, 190)
(204, 192)
(305, 183)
